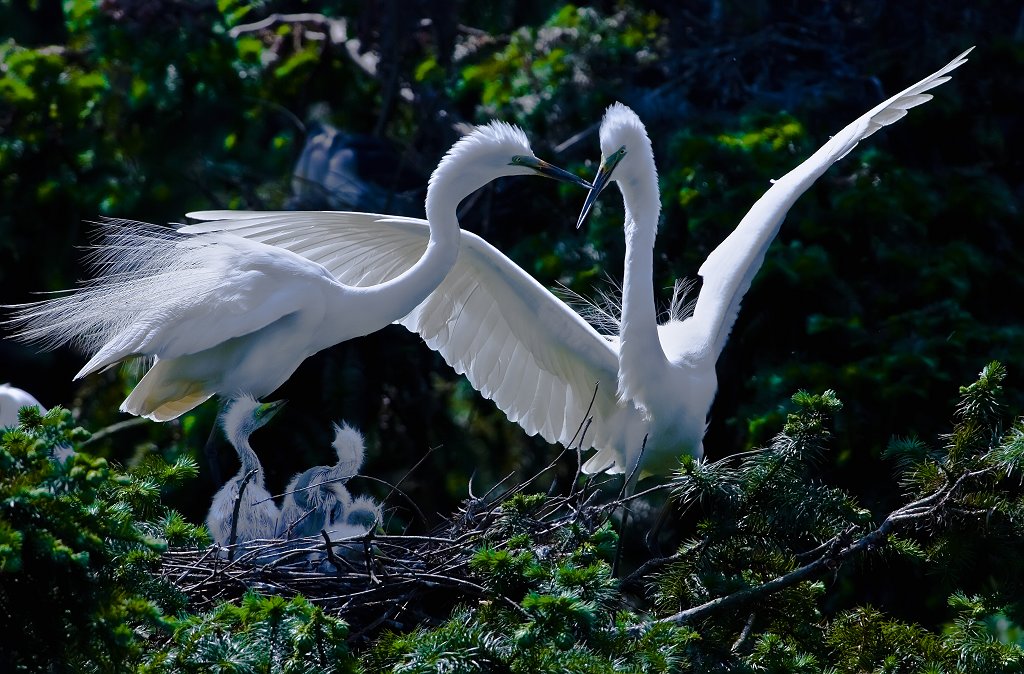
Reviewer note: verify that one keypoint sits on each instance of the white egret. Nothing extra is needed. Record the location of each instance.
(219, 314)
(524, 348)
(314, 494)
(13, 399)
(257, 514)
(668, 370)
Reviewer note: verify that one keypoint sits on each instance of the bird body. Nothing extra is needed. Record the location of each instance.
(516, 342)
(257, 514)
(318, 495)
(219, 314)
(536, 357)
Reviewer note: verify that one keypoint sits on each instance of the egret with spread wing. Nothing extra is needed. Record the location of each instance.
(540, 362)
(668, 370)
(217, 313)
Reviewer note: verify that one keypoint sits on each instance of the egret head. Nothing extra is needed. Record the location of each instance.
(625, 148)
(245, 414)
(494, 150)
(364, 512)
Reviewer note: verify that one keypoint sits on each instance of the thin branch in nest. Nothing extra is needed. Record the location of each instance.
(234, 512)
(395, 489)
(331, 557)
(430, 450)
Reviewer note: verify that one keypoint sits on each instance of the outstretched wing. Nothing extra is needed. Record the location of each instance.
(730, 268)
(517, 343)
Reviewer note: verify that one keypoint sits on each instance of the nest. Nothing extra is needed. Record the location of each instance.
(388, 581)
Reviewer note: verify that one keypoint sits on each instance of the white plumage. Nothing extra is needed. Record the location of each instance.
(13, 399)
(361, 516)
(668, 370)
(540, 362)
(315, 494)
(216, 313)
(257, 514)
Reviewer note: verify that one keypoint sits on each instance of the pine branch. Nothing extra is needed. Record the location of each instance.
(834, 553)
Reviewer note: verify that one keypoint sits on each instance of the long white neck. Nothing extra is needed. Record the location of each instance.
(641, 358)
(402, 294)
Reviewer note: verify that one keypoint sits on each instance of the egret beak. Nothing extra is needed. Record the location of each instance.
(270, 409)
(542, 168)
(601, 181)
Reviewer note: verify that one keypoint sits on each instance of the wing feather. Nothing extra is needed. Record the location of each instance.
(517, 343)
(730, 268)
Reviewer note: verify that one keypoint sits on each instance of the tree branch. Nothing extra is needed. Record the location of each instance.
(834, 553)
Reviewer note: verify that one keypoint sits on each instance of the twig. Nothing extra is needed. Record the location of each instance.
(430, 450)
(647, 567)
(234, 512)
(741, 640)
(331, 557)
(395, 489)
(115, 428)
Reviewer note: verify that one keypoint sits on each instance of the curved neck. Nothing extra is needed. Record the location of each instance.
(641, 357)
(248, 457)
(402, 294)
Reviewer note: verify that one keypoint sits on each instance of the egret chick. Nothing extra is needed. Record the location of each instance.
(257, 514)
(315, 493)
(361, 516)
(219, 314)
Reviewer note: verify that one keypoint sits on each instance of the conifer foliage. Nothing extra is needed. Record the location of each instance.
(78, 540)
(769, 575)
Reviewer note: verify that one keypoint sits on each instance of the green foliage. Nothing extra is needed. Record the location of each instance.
(79, 541)
(557, 608)
(766, 518)
(526, 79)
(759, 512)
(888, 281)
(259, 635)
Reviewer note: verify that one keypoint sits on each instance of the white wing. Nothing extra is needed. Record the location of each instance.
(516, 342)
(731, 267)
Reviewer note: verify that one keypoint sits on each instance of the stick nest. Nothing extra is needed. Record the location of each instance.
(393, 581)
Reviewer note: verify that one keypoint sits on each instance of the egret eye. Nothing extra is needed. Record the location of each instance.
(516, 160)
